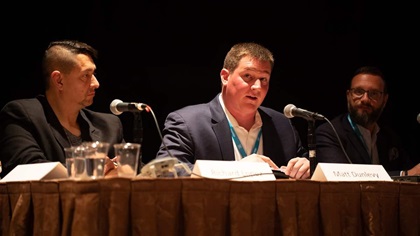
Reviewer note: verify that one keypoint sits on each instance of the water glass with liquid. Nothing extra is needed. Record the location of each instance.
(95, 155)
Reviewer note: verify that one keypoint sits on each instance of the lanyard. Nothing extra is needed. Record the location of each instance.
(357, 131)
(238, 142)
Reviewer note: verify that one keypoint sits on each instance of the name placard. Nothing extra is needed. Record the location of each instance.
(350, 172)
(36, 171)
(233, 170)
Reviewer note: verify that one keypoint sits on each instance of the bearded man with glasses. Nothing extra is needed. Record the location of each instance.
(363, 141)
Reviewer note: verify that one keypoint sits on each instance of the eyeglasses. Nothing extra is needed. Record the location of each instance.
(372, 94)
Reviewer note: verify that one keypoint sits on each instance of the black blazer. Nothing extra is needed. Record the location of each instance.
(30, 132)
(202, 132)
(392, 155)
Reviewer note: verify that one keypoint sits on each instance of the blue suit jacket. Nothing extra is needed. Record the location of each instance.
(392, 155)
(202, 132)
(30, 132)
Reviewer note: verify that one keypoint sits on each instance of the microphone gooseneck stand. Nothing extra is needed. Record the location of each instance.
(312, 146)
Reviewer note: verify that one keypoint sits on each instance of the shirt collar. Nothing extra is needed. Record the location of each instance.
(232, 120)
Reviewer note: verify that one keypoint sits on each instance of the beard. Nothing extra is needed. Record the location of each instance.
(364, 118)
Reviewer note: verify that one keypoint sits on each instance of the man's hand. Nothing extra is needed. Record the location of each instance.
(261, 158)
(111, 168)
(297, 168)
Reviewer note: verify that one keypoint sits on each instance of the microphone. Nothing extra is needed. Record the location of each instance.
(117, 106)
(291, 111)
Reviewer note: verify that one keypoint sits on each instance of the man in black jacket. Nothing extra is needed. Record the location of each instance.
(363, 140)
(38, 129)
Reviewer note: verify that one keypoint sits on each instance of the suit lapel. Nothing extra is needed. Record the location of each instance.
(94, 133)
(221, 130)
(56, 128)
(268, 130)
(356, 143)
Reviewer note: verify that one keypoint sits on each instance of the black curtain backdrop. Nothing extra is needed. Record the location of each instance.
(169, 54)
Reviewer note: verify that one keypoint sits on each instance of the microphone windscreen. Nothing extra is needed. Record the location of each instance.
(288, 110)
(113, 106)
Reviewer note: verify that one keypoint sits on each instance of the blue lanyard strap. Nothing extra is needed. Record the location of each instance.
(238, 142)
(356, 130)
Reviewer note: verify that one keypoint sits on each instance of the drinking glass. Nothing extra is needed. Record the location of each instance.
(95, 155)
(70, 154)
(128, 158)
(79, 162)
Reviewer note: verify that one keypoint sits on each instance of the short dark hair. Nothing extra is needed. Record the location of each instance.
(60, 56)
(371, 70)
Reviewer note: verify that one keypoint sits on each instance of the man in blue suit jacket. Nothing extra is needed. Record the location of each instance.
(233, 125)
(38, 129)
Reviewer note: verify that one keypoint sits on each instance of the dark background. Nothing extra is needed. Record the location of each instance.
(169, 54)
